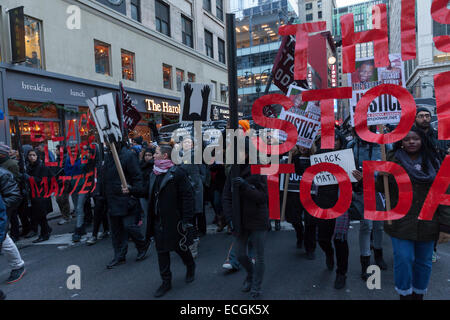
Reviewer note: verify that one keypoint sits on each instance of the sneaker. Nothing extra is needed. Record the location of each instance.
(434, 257)
(62, 222)
(227, 266)
(163, 289)
(91, 241)
(16, 275)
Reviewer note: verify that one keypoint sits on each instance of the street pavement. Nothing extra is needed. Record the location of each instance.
(288, 275)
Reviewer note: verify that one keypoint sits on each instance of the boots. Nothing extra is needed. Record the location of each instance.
(379, 259)
(416, 296)
(76, 237)
(365, 263)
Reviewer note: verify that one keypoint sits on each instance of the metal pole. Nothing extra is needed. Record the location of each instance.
(233, 92)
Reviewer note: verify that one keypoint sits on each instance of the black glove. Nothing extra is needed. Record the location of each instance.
(239, 182)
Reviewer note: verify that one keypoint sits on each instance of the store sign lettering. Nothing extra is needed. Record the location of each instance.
(163, 107)
(80, 94)
(36, 87)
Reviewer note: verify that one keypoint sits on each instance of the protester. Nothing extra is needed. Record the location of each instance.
(11, 197)
(218, 178)
(146, 165)
(364, 151)
(171, 210)
(100, 209)
(63, 198)
(41, 206)
(333, 230)
(3, 232)
(251, 222)
(123, 208)
(423, 122)
(413, 239)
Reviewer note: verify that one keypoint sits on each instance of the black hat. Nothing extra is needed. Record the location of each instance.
(423, 109)
(138, 140)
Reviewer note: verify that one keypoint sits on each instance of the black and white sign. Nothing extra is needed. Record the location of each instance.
(343, 158)
(104, 110)
(195, 101)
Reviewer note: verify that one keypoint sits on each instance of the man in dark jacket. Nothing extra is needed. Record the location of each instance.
(123, 208)
(3, 232)
(250, 223)
(171, 210)
(423, 121)
(10, 193)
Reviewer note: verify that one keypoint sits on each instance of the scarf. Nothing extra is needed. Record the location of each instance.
(162, 166)
(414, 168)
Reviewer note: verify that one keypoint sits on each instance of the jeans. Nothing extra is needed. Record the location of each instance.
(255, 272)
(12, 254)
(121, 228)
(232, 258)
(78, 200)
(164, 262)
(365, 229)
(412, 265)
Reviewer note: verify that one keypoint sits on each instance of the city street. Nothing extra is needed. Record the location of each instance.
(289, 275)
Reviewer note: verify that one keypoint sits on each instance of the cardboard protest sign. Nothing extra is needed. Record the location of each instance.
(105, 117)
(342, 158)
(195, 101)
(131, 116)
(385, 109)
(307, 128)
(294, 182)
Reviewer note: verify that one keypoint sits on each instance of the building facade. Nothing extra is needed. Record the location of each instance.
(429, 61)
(77, 49)
(317, 10)
(258, 42)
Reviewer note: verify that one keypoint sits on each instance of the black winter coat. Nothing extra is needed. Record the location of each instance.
(294, 207)
(38, 171)
(9, 190)
(146, 168)
(120, 204)
(169, 207)
(254, 212)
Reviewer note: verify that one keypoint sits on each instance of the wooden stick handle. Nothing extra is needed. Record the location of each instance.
(285, 190)
(385, 178)
(118, 165)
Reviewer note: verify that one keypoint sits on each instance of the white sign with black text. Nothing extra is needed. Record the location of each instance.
(343, 158)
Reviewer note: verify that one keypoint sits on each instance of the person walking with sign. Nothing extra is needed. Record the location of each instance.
(123, 207)
(333, 231)
(413, 239)
(170, 212)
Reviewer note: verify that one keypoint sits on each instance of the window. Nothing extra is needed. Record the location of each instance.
(162, 11)
(221, 50)
(319, 14)
(128, 65)
(167, 76)
(309, 17)
(308, 6)
(319, 4)
(186, 25)
(223, 93)
(33, 48)
(207, 5)
(440, 30)
(180, 78)
(191, 77)
(219, 9)
(102, 58)
(209, 44)
(214, 90)
(136, 10)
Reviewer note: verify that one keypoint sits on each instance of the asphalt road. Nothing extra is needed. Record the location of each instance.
(289, 275)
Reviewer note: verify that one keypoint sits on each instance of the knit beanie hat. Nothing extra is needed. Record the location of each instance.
(423, 109)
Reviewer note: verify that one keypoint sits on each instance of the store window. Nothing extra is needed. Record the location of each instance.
(308, 6)
(180, 78)
(219, 9)
(187, 31)
(213, 90)
(221, 45)
(319, 14)
(136, 10)
(162, 11)
(102, 58)
(209, 44)
(128, 65)
(191, 77)
(167, 76)
(207, 5)
(33, 45)
(440, 30)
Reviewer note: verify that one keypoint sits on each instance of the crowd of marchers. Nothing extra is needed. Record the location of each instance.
(164, 203)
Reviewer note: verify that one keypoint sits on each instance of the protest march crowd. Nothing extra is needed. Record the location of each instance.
(165, 203)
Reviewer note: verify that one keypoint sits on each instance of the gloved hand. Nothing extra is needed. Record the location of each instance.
(239, 182)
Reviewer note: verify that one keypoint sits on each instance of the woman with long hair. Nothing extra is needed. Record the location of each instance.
(413, 239)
